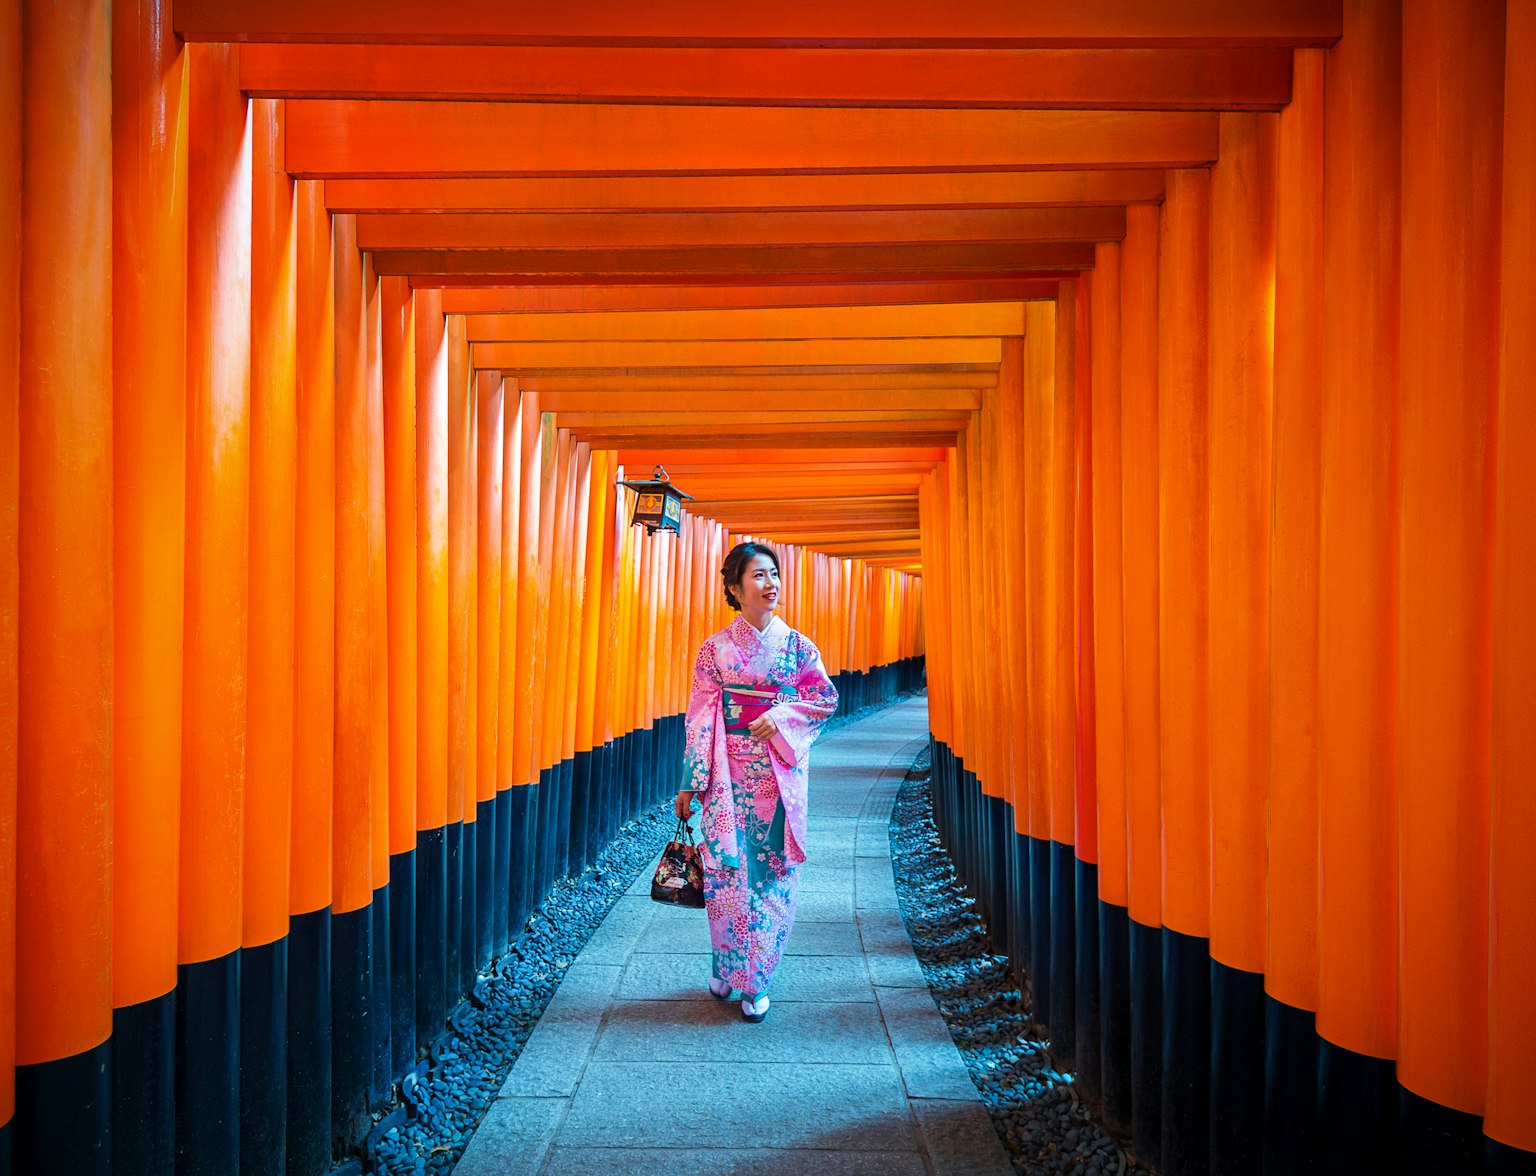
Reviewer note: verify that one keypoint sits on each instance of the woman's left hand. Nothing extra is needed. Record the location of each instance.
(763, 727)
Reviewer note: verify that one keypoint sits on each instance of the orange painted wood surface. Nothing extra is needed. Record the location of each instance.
(399, 139)
(500, 299)
(431, 562)
(11, 122)
(215, 663)
(904, 22)
(273, 533)
(149, 388)
(1181, 78)
(490, 435)
(64, 535)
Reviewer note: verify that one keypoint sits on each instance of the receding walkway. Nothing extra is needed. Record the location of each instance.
(635, 1068)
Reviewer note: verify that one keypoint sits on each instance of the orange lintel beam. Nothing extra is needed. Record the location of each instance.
(862, 190)
(768, 432)
(837, 322)
(747, 417)
(769, 381)
(798, 439)
(1206, 78)
(792, 456)
(869, 400)
(771, 352)
(583, 298)
(854, 23)
(342, 138)
(601, 231)
(720, 264)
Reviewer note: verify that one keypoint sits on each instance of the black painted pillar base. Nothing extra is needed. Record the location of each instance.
(431, 933)
(565, 778)
(1186, 1054)
(502, 868)
(351, 1035)
(402, 963)
(1290, 1090)
(1040, 932)
(1147, 1042)
(1356, 1110)
(453, 905)
(309, 1042)
(8, 1147)
(1020, 910)
(264, 1058)
(485, 880)
(1237, 1071)
(519, 860)
(581, 796)
(1499, 1159)
(1434, 1139)
(382, 1031)
(63, 1123)
(1115, 1017)
(208, 1067)
(1086, 1004)
(144, 1087)
(1063, 1019)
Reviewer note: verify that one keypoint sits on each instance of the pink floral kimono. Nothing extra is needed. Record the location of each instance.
(753, 791)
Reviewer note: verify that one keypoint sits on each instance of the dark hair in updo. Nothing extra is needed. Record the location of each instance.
(736, 566)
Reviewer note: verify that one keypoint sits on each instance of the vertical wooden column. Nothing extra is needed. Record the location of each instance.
(507, 873)
(1109, 692)
(1290, 962)
(431, 663)
(490, 861)
(588, 769)
(10, 568)
(1512, 918)
(352, 824)
(214, 712)
(1357, 604)
(1062, 643)
(149, 361)
(64, 761)
(378, 692)
(1143, 771)
(460, 588)
(397, 352)
(269, 753)
(309, 948)
(1242, 280)
(524, 666)
(1453, 64)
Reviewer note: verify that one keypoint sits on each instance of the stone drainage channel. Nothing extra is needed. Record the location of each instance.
(1033, 1107)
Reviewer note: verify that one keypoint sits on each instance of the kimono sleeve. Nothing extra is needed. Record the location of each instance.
(799, 719)
(702, 725)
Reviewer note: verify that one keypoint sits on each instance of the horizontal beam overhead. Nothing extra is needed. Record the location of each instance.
(830, 400)
(340, 138)
(862, 190)
(1205, 78)
(756, 352)
(598, 299)
(756, 263)
(785, 439)
(599, 231)
(769, 380)
(794, 22)
(933, 320)
(739, 455)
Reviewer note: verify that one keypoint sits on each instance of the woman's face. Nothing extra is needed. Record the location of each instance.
(758, 590)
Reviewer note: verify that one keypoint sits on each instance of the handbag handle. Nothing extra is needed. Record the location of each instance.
(684, 832)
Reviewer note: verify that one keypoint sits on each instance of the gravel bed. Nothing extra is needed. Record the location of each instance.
(443, 1100)
(1033, 1106)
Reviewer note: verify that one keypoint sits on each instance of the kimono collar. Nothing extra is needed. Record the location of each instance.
(747, 637)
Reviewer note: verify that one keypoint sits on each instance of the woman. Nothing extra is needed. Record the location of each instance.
(747, 755)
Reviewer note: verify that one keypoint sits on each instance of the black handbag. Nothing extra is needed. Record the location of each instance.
(679, 876)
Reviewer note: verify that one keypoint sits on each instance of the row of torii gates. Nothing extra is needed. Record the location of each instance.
(1159, 378)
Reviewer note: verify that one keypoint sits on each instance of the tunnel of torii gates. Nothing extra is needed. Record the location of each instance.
(1156, 381)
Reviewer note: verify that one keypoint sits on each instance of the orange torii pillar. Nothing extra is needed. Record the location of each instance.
(214, 713)
(490, 856)
(309, 929)
(265, 945)
(149, 245)
(10, 575)
(59, 575)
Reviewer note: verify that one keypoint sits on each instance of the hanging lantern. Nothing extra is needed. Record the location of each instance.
(659, 505)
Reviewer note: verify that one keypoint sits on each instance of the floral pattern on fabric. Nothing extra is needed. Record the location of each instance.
(753, 791)
(778, 659)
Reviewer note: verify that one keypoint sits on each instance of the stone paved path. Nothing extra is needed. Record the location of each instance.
(634, 1068)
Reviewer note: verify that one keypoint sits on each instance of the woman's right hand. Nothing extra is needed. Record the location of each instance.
(684, 804)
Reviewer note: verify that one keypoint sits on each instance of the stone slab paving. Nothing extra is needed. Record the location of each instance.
(635, 1068)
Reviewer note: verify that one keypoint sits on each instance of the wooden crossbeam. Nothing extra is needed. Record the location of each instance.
(763, 380)
(598, 231)
(882, 400)
(341, 138)
(729, 193)
(746, 352)
(568, 299)
(1205, 78)
(852, 23)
